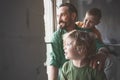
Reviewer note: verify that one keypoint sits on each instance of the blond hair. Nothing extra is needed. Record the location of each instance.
(83, 41)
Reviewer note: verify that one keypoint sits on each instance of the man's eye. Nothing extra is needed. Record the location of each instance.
(63, 14)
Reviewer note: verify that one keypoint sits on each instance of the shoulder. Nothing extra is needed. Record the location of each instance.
(94, 71)
(95, 74)
(98, 75)
(59, 32)
(57, 35)
(66, 65)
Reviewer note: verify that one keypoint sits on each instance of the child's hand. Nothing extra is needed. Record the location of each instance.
(98, 61)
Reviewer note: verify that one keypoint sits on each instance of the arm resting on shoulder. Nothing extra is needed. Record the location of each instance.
(101, 56)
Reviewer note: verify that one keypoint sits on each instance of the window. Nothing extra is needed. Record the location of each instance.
(48, 19)
(50, 13)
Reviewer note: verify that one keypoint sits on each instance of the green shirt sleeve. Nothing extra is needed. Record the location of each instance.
(56, 56)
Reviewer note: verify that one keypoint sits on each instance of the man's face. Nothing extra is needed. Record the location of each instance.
(64, 17)
(90, 21)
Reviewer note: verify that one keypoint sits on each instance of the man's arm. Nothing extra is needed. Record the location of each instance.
(55, 56)
(52, 73)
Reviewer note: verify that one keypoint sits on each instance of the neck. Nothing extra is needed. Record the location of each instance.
(70, 28)
(80, 63)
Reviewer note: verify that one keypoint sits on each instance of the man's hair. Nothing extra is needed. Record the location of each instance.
(95, 12)
(71, 8)
(83, 41)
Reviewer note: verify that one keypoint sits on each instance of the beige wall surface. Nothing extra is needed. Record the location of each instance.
(22, 46)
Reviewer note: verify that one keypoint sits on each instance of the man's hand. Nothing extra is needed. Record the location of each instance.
(98, 61)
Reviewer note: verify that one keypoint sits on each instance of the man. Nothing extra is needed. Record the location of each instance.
(66, 17)
(55, 59)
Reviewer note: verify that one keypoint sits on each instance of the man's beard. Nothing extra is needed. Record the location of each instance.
(62, 25)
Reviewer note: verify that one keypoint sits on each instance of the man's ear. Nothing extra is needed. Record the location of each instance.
(97, 22)
(73, 16)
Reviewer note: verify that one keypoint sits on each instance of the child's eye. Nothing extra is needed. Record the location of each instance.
(68, 44)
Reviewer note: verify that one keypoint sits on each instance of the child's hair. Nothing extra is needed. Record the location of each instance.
(83, 41)
(95, 12)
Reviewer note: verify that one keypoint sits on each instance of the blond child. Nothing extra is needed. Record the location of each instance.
(79, 47)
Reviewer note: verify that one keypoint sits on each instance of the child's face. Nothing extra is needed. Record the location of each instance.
(90, 21)
(70, 49)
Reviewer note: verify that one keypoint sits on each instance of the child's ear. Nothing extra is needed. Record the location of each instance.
(77, 48)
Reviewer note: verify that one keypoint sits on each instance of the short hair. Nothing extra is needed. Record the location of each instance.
(83, 41)
(95, 12)
(71, 8)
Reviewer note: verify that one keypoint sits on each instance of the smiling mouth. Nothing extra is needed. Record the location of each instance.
(62, 23)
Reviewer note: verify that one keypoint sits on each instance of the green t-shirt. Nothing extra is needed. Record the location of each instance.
(70, 72)
(56, 56)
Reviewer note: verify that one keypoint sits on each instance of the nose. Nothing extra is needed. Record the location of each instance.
(64, 47)
(58, 18)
